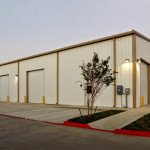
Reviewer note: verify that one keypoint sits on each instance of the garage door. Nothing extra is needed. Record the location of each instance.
(36, 86)
(4, 88)
(144, 82)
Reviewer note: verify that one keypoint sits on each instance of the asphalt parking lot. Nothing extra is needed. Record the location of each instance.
(16, 134)
(19, 134)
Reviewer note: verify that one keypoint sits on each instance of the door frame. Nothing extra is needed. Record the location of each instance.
(27, 81)
(8, 81)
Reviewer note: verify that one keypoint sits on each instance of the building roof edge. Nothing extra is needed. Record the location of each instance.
(80, 44)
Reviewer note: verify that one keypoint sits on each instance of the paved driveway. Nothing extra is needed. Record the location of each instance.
(56, 114)
(40, 112)
(18, 134)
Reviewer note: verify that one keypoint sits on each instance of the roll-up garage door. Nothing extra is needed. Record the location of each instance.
(36, 86)
(4, 86)
(144, 82)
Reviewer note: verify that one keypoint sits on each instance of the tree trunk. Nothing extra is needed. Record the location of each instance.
(91, 107)
(88, 104)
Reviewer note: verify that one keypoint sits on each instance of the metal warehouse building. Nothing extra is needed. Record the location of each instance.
(52, 75)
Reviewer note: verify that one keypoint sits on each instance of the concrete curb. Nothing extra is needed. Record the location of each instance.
(85, 126)
(132, 132)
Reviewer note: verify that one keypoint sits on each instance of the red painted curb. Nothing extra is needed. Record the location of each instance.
(66, 123)
(85, 126)
(79, 125)
(132, 132)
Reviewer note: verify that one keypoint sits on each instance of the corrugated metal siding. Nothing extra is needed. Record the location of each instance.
(124, 76)
(12, 70)
(36, 89)
(142, 51)
(144, 82)
(49, 63)
(138, 85)
(69, 72)
(4, 88)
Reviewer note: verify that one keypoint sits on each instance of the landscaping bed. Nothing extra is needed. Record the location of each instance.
(95, 117)
(142, 124)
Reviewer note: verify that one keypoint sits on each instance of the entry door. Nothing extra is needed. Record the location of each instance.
(144, 82)
(4, 88)
(36, 86)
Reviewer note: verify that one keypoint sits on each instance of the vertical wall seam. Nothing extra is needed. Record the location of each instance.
(26, 86)
(18, 82)
(134, 69)
(57, 78)
(148, 84)
(114, 55)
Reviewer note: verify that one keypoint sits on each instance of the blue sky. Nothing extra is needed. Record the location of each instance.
(29, 27)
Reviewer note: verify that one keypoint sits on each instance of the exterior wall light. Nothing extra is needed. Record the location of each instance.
(16, 77)
(126, 60)
(138, 61)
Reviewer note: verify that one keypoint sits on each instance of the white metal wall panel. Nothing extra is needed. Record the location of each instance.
(142, 51)
(124, 76)
(4, 91)
(144, 82)
(138, 85)
(12, 70)
(36, 86)
(70, 92)
(49, 64)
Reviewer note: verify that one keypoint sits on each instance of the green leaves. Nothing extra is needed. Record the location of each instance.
(95, 58)
(97, 73)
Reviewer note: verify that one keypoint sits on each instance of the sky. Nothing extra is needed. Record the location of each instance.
(29, 27)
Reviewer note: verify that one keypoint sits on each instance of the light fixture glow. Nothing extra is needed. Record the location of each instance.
(16, 76)
(138, 61)
(126, 60)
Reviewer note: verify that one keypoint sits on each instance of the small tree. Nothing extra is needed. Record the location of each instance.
(96, 77)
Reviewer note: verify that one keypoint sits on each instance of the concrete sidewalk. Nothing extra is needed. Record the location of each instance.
(59, 114)
(120, 120)
(50, 113)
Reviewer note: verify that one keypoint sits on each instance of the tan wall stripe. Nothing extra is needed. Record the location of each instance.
(134, 68)
(57, 77)
(114, 51)
(148, 84)
(35, 70)
(27, 87)
(18, 81)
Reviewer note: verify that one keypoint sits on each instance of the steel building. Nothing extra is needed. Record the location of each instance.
(51, 77)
